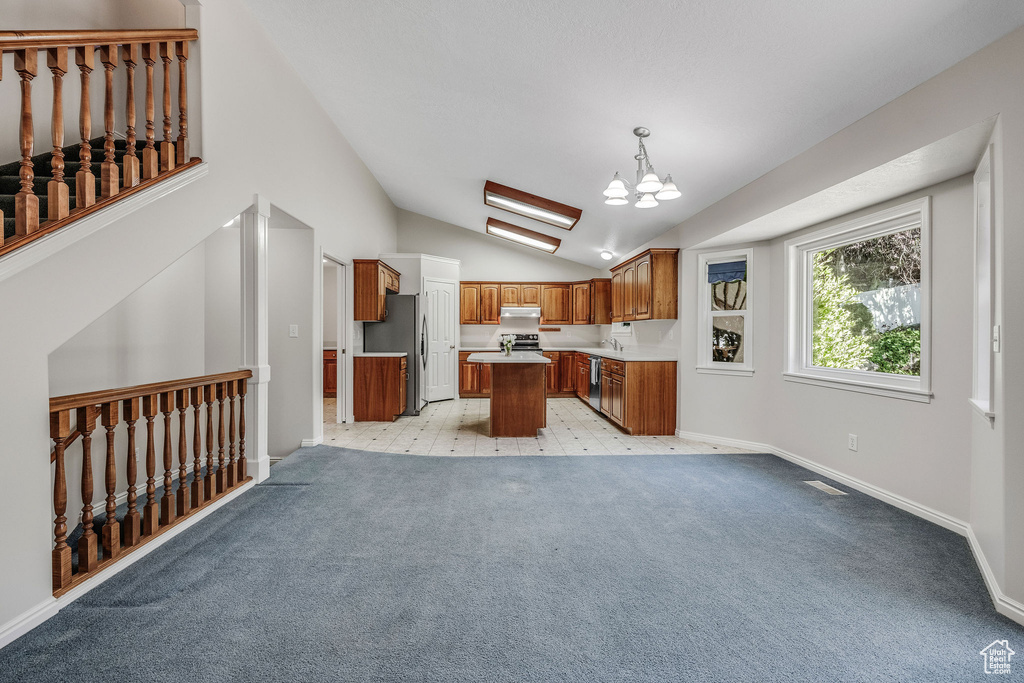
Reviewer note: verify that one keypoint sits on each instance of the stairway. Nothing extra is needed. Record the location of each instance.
(10, 181)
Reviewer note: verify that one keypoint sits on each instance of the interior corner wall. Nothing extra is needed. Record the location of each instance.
(223, 304)
(258, 120)
(484, 257)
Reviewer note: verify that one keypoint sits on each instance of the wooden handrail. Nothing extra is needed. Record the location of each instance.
(93, 398)
(24, 40)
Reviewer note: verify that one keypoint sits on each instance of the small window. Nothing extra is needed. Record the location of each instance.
(859, 302)
(724, 345)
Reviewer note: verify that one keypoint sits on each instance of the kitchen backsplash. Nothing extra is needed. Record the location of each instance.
(659, 334)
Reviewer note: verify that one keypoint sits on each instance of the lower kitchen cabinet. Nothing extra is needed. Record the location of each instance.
(582, 375)
(640, 396)
(379, 387)
(330, 374)
(474, 378)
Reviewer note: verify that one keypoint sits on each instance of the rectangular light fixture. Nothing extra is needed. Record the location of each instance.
(529, 238)
(531, 206)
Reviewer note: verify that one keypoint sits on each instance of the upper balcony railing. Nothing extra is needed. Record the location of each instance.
(136, 165)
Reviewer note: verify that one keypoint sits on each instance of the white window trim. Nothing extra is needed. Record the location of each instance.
(800, 301)
(983, 388)
(704, 363)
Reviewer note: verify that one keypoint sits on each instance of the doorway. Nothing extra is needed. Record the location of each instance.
(440, 359)
(335, 352)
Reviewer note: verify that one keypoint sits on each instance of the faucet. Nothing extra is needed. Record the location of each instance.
(616, 346)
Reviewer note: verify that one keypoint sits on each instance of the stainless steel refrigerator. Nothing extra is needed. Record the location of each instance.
(404, 329)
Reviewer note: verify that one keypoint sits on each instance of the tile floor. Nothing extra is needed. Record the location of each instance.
(459, 427)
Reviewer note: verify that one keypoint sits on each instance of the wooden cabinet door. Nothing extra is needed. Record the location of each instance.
(469, 304)
(606, 392)
(529, 295)
(643, 288)
(330, 377)
(485, 378)
(403, 387)
(600, 301)
(554, 305)
(510, 295)
(490, 303)
(618, 297)
(581, 303)
(583, 380)
(554, 382)
(629, 292)
(469, 378)
(617, 400)
(566, 365)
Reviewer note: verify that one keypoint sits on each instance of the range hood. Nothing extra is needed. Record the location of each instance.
(520, 311)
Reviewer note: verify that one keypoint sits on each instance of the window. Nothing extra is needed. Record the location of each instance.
(858, 304)
(725, 299)
(986, 334)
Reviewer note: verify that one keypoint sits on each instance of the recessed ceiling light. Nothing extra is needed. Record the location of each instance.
(528, 238)
(607, 255)
(531, 206)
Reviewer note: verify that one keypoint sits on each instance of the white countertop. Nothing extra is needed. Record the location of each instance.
(516, 357)
(330, 348)
(647, 355)
(382, 354)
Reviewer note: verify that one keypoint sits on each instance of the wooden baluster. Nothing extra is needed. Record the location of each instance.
(208, 486)
(110, 175)
(26, 203)
(130, 523)
(150, 511)
(150, 162)
(167, 499)
(85, 181)
(184, 505)
(166, 147)
(232, 463)
(1, 211)
(111, 533)
(60, 429)
(182, 144)
(197, 448)
(130, 56)
(222, 479)
(242, 388)
(87, 558)
(57, 196)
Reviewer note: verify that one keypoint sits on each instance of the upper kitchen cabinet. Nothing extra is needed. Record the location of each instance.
(591, 302)
(555, 304)
(373, 280)
(646, 287)
(480, 303)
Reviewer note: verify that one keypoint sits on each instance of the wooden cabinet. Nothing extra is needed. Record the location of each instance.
(555, 307)
(554, 381)
(566, 368)
(330, 374)
(529, 294)
(640, 396)
(613, 397)
(474, 378)
(581, 310)
(379, 387)
(600, 301)
(479, 303)
(583, 376)
(373, 280)
(510, 295)
(646, 287)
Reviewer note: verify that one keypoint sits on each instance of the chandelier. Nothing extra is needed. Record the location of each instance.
(649, 189)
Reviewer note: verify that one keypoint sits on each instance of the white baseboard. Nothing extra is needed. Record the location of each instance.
(1004, 604)
(35, 616)
(309, 443)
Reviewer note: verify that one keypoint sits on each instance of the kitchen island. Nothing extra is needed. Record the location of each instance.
(518, 392)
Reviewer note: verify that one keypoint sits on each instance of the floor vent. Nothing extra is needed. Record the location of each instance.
(831, 490)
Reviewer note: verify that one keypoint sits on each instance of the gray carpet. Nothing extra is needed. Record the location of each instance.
(350, 566)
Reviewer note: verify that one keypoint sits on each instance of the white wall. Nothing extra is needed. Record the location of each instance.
(223, 305)
(258, 121)
(330, 307)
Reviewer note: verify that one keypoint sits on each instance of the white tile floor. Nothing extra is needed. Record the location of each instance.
(459, 427)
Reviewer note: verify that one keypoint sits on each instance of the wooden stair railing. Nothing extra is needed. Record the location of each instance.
(117, 179)
(177, 503)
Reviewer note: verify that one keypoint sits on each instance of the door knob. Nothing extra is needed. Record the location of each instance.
(452, 346)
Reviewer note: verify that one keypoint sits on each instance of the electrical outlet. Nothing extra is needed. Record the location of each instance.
(293, 330)
(851, 442)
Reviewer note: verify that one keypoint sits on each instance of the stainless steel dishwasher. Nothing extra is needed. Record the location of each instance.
(595, 382)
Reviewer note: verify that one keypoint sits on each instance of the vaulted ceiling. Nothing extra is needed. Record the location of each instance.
(438, 96)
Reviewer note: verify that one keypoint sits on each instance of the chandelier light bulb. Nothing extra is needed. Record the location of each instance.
(649, 183)
(668, 190)
(647, 202)
(616, 201)
(616, 188)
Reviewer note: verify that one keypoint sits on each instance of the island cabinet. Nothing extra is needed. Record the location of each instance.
(374, 279)
(330, 374)
(474, 378)
(646, 287)
(640, 396)
(379, 387)
(479, 303)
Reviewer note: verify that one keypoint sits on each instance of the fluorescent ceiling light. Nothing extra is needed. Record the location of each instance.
(531, 206)
(528, 238)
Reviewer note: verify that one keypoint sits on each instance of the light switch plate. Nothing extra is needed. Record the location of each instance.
(293, 330)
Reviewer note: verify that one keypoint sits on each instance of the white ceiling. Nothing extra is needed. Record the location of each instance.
(542, 95)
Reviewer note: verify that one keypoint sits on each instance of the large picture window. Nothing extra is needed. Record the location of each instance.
(859, 304)
(725, 297)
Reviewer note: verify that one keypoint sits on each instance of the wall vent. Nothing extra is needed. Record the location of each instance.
(822, 486)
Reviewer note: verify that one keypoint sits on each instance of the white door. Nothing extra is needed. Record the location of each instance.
(441, 357)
